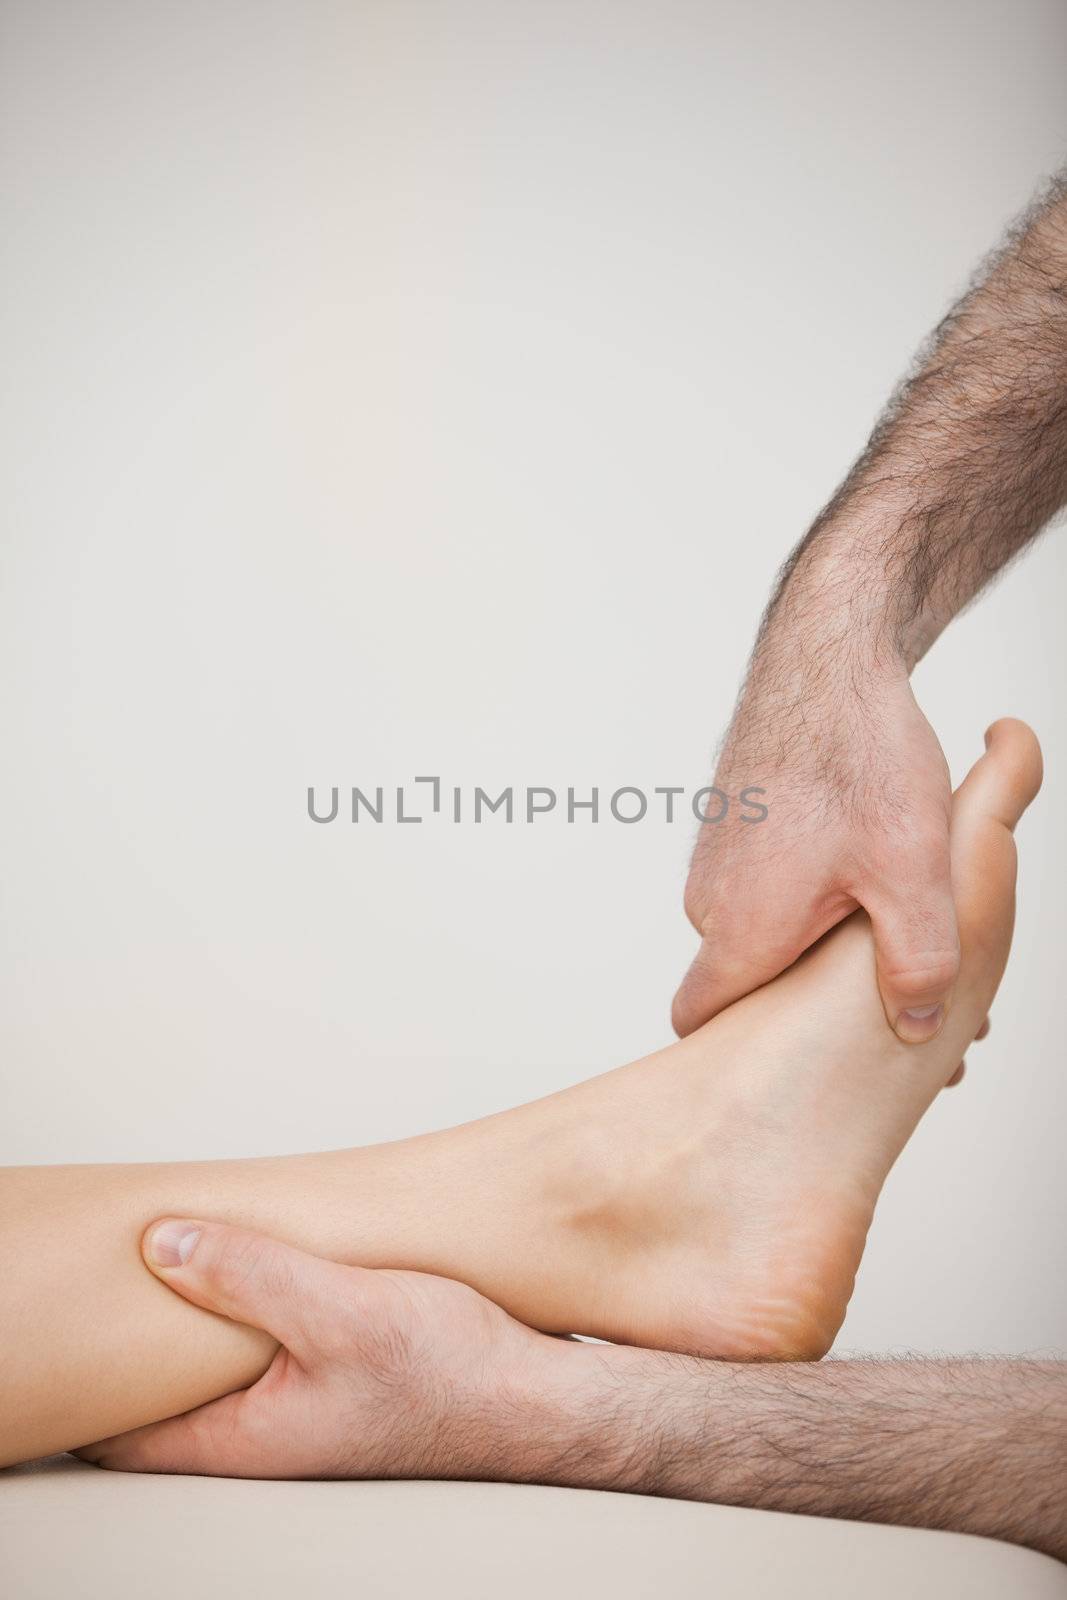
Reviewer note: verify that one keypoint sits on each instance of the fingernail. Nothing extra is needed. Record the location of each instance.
(172, 1243)
(920, 1023)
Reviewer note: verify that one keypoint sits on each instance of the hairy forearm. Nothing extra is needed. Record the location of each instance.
(975, 1446)
(966, 466)
(968, 463)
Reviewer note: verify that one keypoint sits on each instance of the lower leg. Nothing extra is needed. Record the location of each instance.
(713, 1198)
(393, 1374)
(93, 1343)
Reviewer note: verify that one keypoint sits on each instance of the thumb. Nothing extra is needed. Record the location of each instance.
(245, 1276)
(917, 950)
(743, 952)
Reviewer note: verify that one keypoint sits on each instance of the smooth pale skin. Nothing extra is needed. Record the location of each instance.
(713, 1198)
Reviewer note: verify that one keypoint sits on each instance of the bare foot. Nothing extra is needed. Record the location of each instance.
(715, 1197)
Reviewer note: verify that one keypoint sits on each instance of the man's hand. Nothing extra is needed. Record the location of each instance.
(964, 468)
(379, 1374)
(858, 797)
(402, 1375)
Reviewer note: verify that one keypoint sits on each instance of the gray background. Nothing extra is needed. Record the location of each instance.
(409, 388)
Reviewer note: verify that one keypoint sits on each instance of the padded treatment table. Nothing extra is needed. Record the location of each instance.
(69, 1531)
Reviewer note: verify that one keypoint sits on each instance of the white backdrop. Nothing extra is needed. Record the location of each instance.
(400, 388)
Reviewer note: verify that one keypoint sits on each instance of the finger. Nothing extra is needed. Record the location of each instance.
(253, 1279)
(917, 947)
(209, 1440)
(983, 1032)
(736, 958)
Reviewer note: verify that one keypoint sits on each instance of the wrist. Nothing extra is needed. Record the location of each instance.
(862, 566)
(838, 610)
(819, 670)
(586, 1419)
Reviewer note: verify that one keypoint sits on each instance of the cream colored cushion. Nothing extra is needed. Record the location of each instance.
(70, 1530)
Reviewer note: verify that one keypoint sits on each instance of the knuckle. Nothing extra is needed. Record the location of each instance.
(342, 1327)
(390, 1326)
(711, 913)
(710, 892)
(177, 1446)
(685, 1014)
(928, 971)
(695, 903)
(239, 1260)
(928, 859)
(362, 1320)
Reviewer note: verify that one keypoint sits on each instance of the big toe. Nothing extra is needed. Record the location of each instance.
(1004, 780)
(985, 809)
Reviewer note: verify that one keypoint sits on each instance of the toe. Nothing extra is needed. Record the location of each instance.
(1006, 778)
(985, 808)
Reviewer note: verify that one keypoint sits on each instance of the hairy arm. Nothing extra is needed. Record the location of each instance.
(967, 465)
(407, 1375)
(974, 1446)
